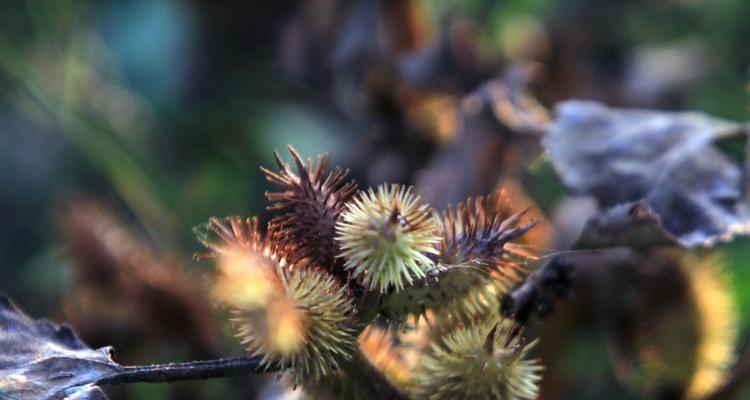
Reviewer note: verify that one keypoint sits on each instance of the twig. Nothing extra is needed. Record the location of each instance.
(358, 369)
(540, 291)
(192, 370)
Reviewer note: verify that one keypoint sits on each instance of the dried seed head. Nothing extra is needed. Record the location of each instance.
(387, 237)
(310, 202)
(246, 262)
(242, 279)
(292, 317)
(479, 234)
(456, 293)
(285, 326)
(393, 353)
(483, 360)
(306, 326)
(476, 263)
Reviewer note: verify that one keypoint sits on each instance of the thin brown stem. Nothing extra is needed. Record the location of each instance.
(192, 370)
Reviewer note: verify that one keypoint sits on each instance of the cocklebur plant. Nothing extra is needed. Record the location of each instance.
(289, 316)
(479, 360)
(476, 264)
(329, 296)
(334, 262)
(386, 237)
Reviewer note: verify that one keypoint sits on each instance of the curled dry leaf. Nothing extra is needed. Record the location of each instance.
(667, 160)
(41, 360)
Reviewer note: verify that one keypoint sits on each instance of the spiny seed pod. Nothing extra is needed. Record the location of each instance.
(386, 350)
(459, 293)
(482, 361)
(292, 317)
(246, 264)
(307, 329)
(394, 354)
(311, 201)
(475, 265)
(386, 237)
(479, 233)
(476, 304)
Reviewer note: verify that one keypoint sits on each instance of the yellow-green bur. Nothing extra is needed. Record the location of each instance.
(459, 291)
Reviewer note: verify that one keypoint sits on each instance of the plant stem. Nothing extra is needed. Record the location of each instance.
(192, 370)
(359, 369)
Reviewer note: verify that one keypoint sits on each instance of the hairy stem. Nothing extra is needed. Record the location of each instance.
(359, 369)
(192, 370)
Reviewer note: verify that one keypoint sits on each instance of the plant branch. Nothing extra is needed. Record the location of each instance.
(540, 290)
(192, 370)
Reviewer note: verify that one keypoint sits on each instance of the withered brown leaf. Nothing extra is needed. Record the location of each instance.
(667, 160)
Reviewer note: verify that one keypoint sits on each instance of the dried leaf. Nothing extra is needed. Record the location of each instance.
(667, 160)
(41, 360)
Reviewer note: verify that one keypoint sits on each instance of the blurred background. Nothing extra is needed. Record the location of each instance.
(123, 124)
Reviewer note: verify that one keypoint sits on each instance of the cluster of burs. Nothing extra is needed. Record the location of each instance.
(345, 288)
